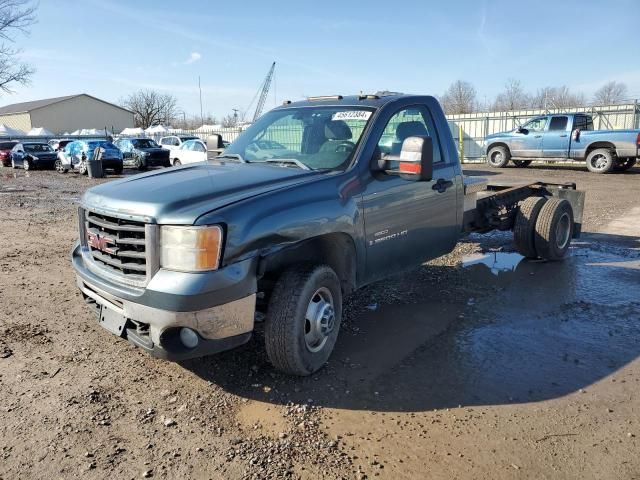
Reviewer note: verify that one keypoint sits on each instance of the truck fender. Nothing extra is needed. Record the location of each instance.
(336, 250)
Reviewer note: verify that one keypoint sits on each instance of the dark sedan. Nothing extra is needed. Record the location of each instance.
(33, 155)
(141, 153)
(5, 152)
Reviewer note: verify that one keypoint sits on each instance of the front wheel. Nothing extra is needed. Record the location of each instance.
(13, 164)
(60, 167)
(600, 160)
(82, 168)
(26, 165)
(498, 157)
(303, 319)
(522, 163)
(177, 163)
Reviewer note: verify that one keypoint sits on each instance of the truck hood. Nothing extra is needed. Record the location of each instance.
(181, 195)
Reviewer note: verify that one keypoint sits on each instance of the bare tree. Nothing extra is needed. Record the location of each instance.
(151, 107)
(610, 93)
(230, 120)
(16, 16)
(460, 97)
(512, 98)
(557, 97)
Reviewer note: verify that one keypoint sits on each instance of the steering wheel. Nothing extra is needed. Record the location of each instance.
(345, 146)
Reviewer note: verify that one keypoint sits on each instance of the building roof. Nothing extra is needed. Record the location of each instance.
(25, 107)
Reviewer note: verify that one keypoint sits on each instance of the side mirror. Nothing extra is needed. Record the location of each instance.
(415, 161)
(522, 130)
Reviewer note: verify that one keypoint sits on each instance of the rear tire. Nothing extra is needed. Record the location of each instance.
(498, 157)
(522, 163)
(524, 229)
(600, 160)
(554, 229)
(303, 319)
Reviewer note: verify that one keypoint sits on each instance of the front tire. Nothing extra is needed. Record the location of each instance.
(60, 167)
(177, 163)
(82, 168)
(303, 319)
(498, 157)
(26, 166)
(600, 160)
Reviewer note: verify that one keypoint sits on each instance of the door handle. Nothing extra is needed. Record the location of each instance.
(563, 135)
(537, 136)
(441, 185)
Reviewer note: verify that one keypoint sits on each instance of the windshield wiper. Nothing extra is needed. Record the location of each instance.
(237, 156)
(289, 161)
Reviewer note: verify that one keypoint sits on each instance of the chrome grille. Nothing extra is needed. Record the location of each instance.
(117, 244)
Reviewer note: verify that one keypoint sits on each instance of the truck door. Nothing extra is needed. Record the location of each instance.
(527, 140)
(408, 222)
(555, 141)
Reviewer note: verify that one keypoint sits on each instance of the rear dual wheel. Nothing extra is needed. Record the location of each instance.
(544, 228)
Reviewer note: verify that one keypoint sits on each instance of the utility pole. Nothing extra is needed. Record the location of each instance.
(201, 114)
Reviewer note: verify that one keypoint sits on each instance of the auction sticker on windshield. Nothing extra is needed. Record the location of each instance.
(352, 115)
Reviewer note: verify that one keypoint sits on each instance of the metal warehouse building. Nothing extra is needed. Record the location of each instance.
(66, 114)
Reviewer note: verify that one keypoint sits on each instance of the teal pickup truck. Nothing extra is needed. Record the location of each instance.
(564, 137)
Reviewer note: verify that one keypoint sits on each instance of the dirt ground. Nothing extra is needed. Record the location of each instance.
(476, 365)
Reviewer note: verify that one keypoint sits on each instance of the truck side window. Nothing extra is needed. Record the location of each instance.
(406, 123)
(535, 125)
(558, 123)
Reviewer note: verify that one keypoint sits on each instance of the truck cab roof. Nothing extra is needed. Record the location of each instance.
(375, 100)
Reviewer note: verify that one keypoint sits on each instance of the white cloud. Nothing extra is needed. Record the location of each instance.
(193, 58)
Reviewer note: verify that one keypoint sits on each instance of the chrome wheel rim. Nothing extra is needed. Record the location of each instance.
(563, 231)
(25, 164)
(320, 319)
(599, 161)
(58, 166)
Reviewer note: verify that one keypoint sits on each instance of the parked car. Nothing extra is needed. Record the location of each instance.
(561, 137)
(180, 262)
(5, 152)
(264, 149)
(74, 156)
(190, 151)
(173, 142)
(142, 153)
(33, 155)
(59, 144)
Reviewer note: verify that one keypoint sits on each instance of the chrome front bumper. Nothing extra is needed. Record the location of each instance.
(220, 328)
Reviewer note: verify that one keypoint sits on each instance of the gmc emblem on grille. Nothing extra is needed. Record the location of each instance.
(101, 243)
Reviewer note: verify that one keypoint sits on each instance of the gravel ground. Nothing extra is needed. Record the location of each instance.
(476, 365)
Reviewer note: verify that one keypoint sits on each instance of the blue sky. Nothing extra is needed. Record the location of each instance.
(110, 48)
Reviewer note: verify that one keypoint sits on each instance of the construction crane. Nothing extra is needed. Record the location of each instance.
(262, 92)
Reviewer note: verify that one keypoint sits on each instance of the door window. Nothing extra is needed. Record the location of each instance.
(197, 147)
(558, 123)
(536, 125)
(406, 123)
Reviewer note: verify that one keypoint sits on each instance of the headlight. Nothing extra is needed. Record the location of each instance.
(190, 249)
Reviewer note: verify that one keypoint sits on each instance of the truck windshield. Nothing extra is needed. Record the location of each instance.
(317, 137)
